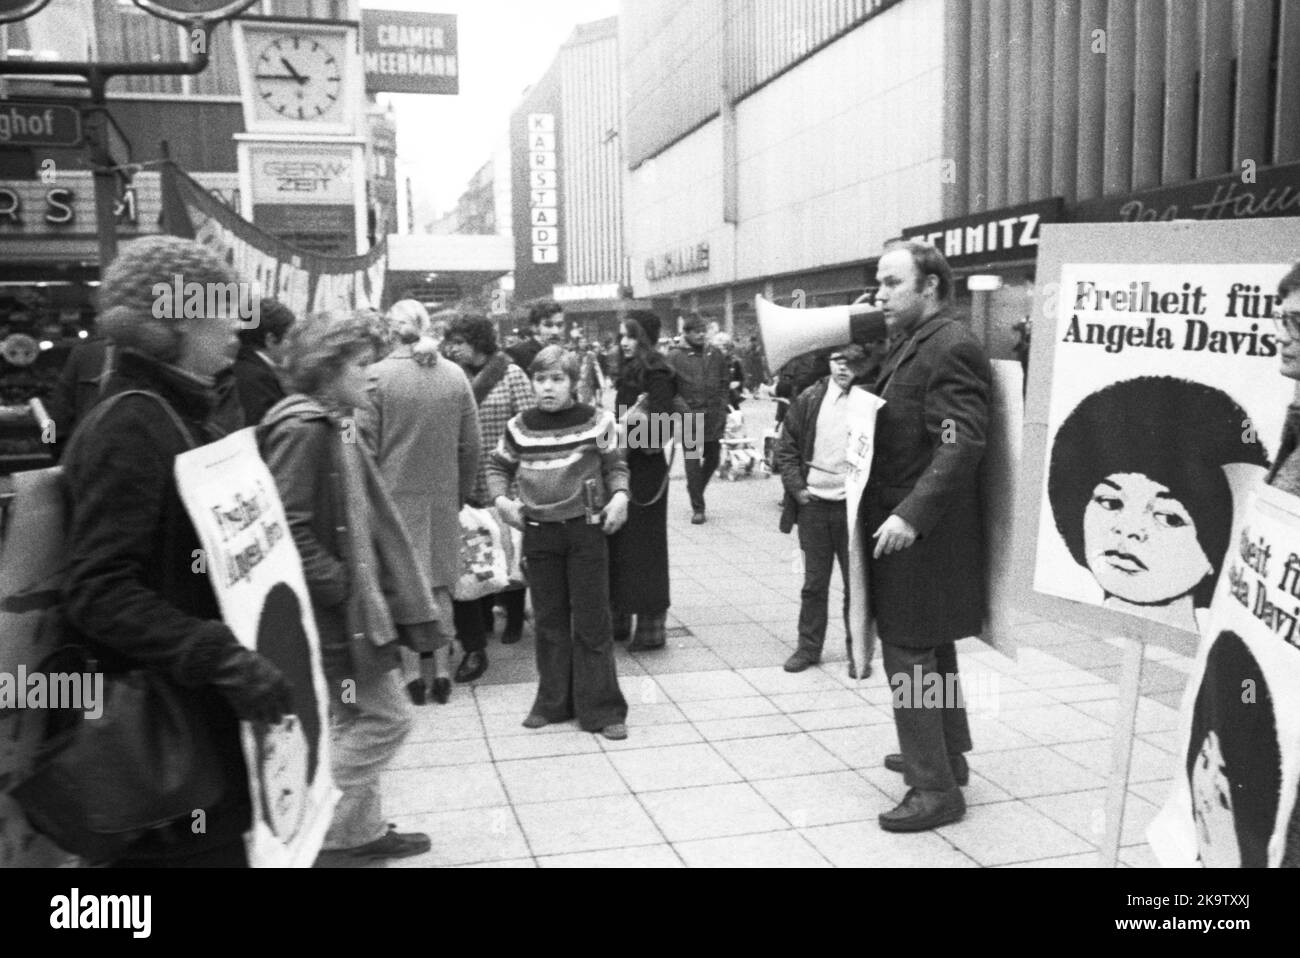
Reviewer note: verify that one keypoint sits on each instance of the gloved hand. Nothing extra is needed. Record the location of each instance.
(254, 687)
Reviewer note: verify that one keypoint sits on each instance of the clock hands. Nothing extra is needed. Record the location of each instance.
(296, 75)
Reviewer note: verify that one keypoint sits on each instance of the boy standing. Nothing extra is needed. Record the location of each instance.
(558, 453)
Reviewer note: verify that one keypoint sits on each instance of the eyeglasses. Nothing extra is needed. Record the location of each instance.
(1288, 324)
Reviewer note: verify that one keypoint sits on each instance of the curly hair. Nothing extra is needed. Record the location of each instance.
(127, 297)
(1173, 431)
(318, 347)
(1247, 732)
(477, 332)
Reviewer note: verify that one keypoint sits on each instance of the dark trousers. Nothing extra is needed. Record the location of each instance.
(475, 619)
(930, 718)
(824, 539)
(699, 470)
(568, 571)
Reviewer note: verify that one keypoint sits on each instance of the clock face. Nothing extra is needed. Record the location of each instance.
(300, 77)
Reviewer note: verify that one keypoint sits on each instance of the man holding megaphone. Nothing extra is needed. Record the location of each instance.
(920, 511)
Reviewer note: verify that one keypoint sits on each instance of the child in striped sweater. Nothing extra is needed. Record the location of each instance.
(553, 450)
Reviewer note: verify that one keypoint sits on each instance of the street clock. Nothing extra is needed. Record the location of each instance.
(298, 77)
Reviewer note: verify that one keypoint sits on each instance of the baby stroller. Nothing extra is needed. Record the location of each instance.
(740, 454)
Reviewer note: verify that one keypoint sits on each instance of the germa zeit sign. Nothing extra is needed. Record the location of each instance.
(410, 52)
(39, 124)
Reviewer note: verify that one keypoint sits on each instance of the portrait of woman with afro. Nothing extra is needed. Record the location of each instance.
(1139, 492)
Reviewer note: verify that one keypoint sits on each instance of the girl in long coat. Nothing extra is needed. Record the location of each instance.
(638, 553)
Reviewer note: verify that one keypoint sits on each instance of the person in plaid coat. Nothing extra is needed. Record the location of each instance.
(502, 391)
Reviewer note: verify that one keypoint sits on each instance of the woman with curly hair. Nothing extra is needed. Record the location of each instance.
(1139, 493)
(367, 589)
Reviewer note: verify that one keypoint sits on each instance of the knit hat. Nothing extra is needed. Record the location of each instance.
(128, 282)
(648, 321)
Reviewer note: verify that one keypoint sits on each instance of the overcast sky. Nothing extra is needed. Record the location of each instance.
(505, 45)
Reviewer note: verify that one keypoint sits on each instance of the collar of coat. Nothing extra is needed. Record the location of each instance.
(906, 343)
(298, 406)
(192, 395)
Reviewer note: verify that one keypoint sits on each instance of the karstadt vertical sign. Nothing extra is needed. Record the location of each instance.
(537, 178)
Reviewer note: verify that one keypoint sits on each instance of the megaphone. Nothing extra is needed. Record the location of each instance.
(786, 333)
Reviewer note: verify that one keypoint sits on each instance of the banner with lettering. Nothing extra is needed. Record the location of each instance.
(255, 571)
(1166, 405)
(305, 282)
(1234, 798)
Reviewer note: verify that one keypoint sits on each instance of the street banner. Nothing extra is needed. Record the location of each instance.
(863, 407)
(303, 281)
(1165, 409)
(1234, 798)
(255, 571)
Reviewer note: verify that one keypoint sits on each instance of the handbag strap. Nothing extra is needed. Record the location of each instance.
(102, 407)
(663, 486)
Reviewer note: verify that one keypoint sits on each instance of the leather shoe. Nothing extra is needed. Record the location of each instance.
(394, 844)
(698, 518)
(471, 666)
(960, 770)
(416, 690)
(511, 635)
(441, 690)
(921, 810)
(801, 660)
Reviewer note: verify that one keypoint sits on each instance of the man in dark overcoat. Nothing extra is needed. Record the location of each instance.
(922, 508)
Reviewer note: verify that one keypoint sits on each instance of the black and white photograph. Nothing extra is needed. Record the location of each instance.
(652, 434)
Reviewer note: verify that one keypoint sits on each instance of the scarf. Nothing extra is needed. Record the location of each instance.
(486, 379)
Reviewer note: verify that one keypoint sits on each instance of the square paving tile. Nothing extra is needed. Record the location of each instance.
(860, 747)
(1009, 832)
(774, 680)
(644, 856)
(700, 686)
(506, 748)
(786, 849)
(778, 756)
(651, 736)
(467, 751)
(711, 710)
(509, 699)
(815, 700)
(865, 844)
(673, 766)
(824, 799)
(751, 726)
(464, 836)
(1035, 771)
(429, 726)
(1085, 693)
(557, 778)
(587, 824)
(858, 717)
(1151, 716)
(713, 613)
(416, 791)
(1146, 762)
(1054, 724)
(711, 811)
(1084, 813)
(681, 660)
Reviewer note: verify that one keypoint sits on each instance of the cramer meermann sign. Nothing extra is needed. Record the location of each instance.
(409, 52)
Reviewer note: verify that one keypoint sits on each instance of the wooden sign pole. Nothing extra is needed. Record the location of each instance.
(1130, 692)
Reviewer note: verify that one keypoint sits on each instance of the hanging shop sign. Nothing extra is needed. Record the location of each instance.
(39, 124)
(408, 52)
(1270, 192)
(1001, 236)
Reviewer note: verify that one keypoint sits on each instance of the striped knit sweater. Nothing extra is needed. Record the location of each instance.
(552, 454)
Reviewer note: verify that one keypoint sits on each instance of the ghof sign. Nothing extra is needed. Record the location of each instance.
(39, 124)
(409, 52)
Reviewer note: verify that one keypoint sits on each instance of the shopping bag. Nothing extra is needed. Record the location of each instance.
(482, 556)
(512, 540)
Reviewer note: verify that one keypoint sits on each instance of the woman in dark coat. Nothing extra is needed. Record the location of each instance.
(638, 553)
(133, 594)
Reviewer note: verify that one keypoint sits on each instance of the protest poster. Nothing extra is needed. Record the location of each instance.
(1234, 797)
(863, 407)
(1155, 406)
(255, 571)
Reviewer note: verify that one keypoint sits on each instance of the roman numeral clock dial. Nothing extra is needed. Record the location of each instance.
(299, 78)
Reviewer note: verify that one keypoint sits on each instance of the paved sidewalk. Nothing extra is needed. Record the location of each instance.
(731, 761)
